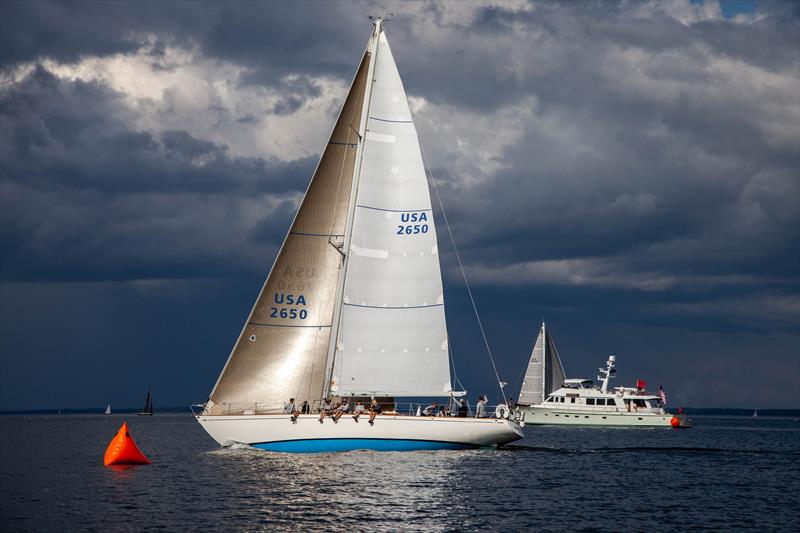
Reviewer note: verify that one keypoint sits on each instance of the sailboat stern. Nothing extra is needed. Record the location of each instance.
(279, 433)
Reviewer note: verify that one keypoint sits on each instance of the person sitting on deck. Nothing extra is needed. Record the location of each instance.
(338, 411)
(374, 410)
(358, 410)
(431, 410)
(325, 409)
(291, 409)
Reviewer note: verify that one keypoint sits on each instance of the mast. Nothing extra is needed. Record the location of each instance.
(351, 209)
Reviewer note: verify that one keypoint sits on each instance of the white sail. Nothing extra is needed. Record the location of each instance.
(392, 337)
(545, 372)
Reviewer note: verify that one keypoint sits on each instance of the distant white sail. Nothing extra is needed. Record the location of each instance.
(545, 372)
(108, 409)
(392, 339)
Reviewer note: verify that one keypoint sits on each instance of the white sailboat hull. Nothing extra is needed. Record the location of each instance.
(388, 433)
(538, 415)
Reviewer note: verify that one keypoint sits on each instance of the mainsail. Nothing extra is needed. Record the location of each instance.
(544, 374)
(353, 303)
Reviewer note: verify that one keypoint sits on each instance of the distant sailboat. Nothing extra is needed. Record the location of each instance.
(108, 409)
(755, 413)
(353, 306)
(545, 372)
(147, 410)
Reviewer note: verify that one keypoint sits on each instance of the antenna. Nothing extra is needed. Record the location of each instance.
(382, 18)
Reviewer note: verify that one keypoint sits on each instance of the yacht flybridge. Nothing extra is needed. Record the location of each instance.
(353, 306)
(547, 397)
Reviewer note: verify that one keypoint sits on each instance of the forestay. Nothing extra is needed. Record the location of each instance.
(392, 337)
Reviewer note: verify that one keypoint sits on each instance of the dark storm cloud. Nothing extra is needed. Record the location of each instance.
(85, 196)
(74, 135)
(295, 91)
(273, 39)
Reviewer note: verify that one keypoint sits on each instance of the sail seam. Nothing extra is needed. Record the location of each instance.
(393, 307)
(343, 144)
(286, 325)
(300, 233)
(392, 210)
(394, 121)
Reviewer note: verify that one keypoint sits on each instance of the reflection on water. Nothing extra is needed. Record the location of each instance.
(123, 472)
(361, 487)
(722, 474)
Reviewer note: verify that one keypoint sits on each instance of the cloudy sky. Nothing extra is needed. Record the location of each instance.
(627, 171)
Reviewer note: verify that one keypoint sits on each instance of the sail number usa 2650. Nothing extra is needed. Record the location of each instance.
(413, 223)
(288, 306)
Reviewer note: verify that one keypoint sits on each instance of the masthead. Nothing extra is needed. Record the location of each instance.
(378, 20)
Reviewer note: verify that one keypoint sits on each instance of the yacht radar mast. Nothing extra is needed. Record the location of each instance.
(607, 373)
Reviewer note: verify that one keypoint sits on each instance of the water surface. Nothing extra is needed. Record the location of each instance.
(724, 474)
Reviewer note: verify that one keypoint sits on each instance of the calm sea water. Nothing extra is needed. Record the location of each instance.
(724, 474)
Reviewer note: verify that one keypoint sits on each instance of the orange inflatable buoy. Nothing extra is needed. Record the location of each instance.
(675, 422)
(122, 450)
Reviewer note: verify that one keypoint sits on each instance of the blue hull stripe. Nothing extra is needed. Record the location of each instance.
(343, 445)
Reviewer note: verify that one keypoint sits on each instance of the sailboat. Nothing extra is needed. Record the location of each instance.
(147, 410)
(108, 409)
(353, 306)
(545, 372)
(755, 413)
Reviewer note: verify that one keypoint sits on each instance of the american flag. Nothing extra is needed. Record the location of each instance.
(662, 395)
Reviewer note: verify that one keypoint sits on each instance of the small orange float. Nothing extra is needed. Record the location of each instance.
(675, 422)
(122, 450)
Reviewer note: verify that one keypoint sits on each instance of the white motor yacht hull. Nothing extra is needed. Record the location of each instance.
(537, 415)
(388, 433)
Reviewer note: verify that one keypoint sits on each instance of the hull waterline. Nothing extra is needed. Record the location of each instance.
(388, 433)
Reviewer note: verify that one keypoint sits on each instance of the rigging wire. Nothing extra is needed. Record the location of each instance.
(463, 273)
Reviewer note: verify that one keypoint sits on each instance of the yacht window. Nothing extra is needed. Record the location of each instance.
(601, 401)
(589, 401)
(572, 400)
(639, 403)
(550, 399)
(611, 401)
